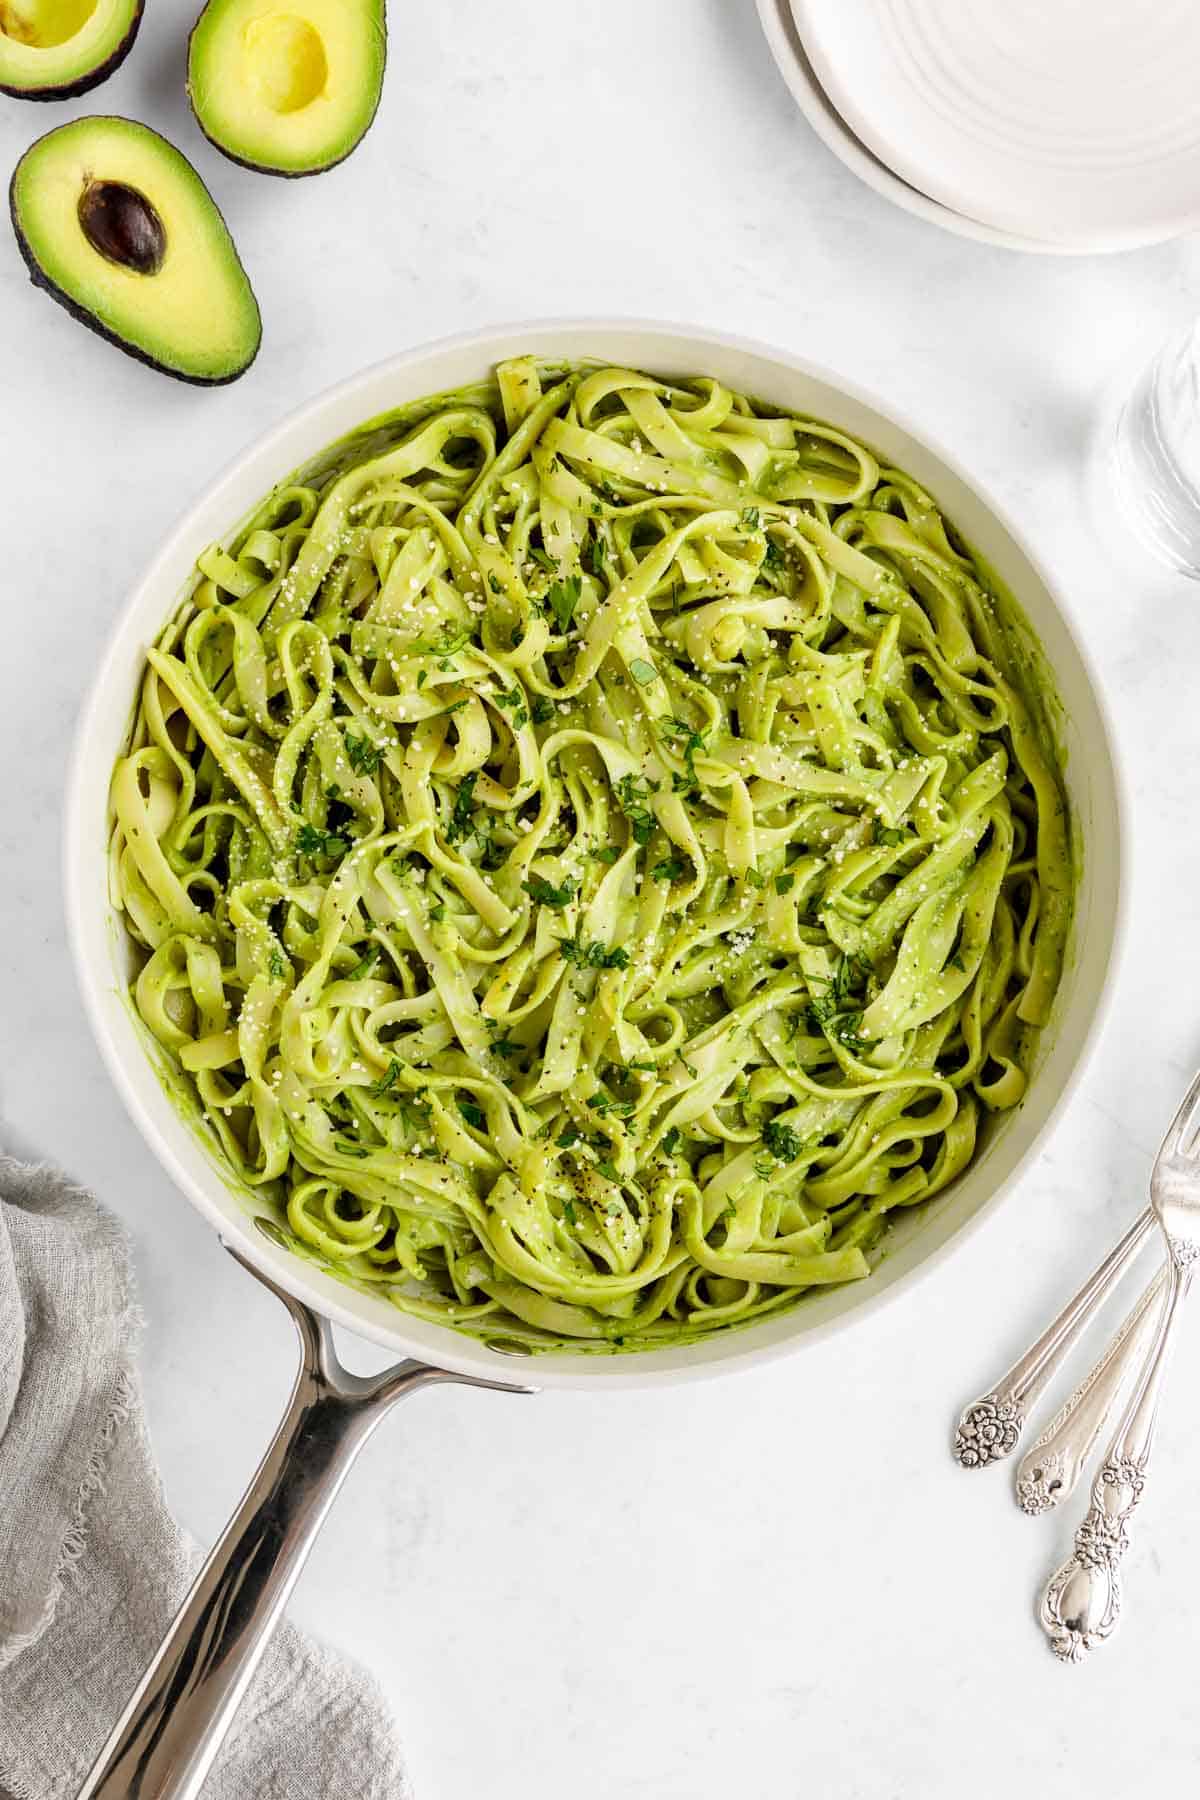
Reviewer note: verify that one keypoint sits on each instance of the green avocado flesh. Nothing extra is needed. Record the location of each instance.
(288, 87)
(51, 49)
(118, 227)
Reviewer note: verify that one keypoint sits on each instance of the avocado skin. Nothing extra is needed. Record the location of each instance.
(266, 168)
(40, 279)
(93, 78)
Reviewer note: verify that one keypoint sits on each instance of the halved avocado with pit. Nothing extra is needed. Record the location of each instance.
(118, 227)
(287, 87)
(52, 49)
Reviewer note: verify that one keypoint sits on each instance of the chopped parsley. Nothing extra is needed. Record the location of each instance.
(277, 966)
(562, 597)
(593, 555)
(492, 855)
(452, 639)
(311, 840)
(775, 558)
(784, 883)
(840, 984)
(543, 557)
(546, 894)
(849, 966)
(568, 1207)
(437, 913)
(686, 742)
(604, 1103)
(365, 966)
(751, 518)
(608, 1168)
(886, 834)
(671, 1139)
(784, 1144)
(505, 1046)
(670, 869)
(541, 709)
(415, 1111)
(570, 1136)
(633, 795)
(389, 1079)
(821, 1012)
(513, 700)
(365, 757)
(592, 956)
(847, 1033)
(346, 1149)
(832, 1011)
(608, 854)
(495, 584)
(461, 825)
(472, 1114)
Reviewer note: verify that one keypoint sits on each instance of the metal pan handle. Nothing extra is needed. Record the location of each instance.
(166, 1740)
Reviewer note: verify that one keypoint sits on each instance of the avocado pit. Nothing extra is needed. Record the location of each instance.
(101, 202)
(123, 226)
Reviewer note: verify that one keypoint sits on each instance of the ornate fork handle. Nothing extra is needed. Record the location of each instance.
(989, 1428)
(1081, 1604)
(1049, 1470)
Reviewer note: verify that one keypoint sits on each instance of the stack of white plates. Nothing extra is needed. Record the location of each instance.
(1053, 125)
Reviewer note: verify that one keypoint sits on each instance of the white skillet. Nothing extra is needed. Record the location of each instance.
(169, 1734)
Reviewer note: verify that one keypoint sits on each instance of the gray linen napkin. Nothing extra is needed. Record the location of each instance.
(93, 1566)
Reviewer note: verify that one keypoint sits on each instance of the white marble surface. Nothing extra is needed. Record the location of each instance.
(768, 1585)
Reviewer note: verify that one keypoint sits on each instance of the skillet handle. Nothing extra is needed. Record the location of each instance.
(166, 1740)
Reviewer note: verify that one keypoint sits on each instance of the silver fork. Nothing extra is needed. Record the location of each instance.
(1081, 1605)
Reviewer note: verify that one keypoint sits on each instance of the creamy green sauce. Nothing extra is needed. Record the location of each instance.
(599, 850)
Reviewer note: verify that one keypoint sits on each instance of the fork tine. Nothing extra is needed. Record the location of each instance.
(1178, 1128)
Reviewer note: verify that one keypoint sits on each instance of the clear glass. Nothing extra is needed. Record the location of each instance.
(1157, 454)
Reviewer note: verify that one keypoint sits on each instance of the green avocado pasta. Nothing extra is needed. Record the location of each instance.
(596, 853)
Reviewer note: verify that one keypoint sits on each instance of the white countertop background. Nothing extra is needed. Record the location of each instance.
(769, 1585)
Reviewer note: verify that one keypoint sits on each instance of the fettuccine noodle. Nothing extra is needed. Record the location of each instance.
(595, 856)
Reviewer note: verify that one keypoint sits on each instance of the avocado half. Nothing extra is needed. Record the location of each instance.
(52, 49)
(118, 227)
(287, 89)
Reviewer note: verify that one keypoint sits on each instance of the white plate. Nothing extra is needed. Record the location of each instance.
(1076, 121)
(784, 42)
(101, 948)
